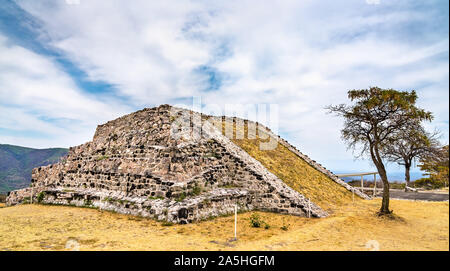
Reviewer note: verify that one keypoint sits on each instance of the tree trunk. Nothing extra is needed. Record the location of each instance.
(407, 176)
(385, 201)
(375, 154)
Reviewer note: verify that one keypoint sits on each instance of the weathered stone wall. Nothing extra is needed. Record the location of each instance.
(133, 165)
(19, 196)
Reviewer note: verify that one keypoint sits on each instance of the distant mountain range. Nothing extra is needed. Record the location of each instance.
(17, 162)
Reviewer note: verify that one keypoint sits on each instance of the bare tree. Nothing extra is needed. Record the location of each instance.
(412, 143)
(372, 122)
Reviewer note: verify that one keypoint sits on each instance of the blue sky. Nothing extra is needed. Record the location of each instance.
(67, 65)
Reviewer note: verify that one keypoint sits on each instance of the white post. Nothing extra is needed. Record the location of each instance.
(374, 185)
(362, 182)
(353, 194)
(235, 222)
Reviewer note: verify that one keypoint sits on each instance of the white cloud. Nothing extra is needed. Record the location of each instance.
(143, 53)
(37, 97)
(303, 55)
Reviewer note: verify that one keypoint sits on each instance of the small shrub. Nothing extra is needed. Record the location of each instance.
(108, 199)
(256, 221)
(181, 197)
(40, 197)
(397, 185)
(266, 226)
(196, 190)
(285, 227)
(26, 200)
(103, 157)
(428, 183)
(87, 203)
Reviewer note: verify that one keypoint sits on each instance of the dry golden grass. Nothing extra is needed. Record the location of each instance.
(296, 173)
(299, 175)
(421, 226)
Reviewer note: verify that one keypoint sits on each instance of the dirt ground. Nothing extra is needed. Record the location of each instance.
(418, 225)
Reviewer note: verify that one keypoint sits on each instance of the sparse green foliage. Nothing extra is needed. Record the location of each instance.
(102, 157)
(256, 221)
(428, 183)
(374, 121)
(181, 197)
(108, 199)
(436, 164)
(196, 190)
(124, 202)
(87, 203)
(285, 226)
(40, 197)
(228, 185)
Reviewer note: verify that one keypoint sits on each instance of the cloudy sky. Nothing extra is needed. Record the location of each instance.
(69, 65)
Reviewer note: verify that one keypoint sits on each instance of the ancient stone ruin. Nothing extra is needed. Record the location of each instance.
(134, 165)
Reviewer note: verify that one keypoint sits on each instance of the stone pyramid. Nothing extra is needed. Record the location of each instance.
(135, 165)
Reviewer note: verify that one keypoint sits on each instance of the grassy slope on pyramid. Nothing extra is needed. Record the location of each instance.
(294, 171)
